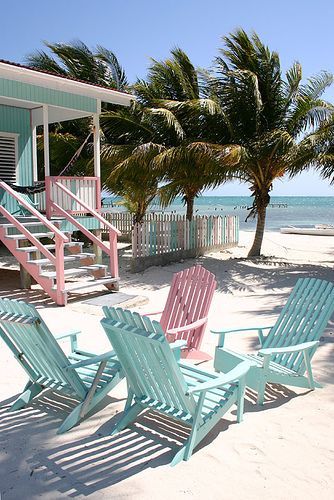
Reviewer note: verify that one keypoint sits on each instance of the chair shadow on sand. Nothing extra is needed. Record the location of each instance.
(90, 464)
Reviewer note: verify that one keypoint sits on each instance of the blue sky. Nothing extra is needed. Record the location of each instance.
(139, 29)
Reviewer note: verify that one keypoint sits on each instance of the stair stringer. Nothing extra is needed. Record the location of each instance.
(33, 270)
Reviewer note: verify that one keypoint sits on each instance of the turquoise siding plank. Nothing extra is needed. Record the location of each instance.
(88, 222)
(17, 121)
(35, 93)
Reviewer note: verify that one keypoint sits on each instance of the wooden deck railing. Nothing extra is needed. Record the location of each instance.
(55, 208)
(86, 189)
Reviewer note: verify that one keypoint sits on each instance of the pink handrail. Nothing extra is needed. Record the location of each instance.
(60, 238)
(30, 236)
(113, 231)
(34, 212)
(111, 251)
(88, 209)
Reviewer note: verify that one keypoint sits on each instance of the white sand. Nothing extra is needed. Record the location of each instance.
(283, 450)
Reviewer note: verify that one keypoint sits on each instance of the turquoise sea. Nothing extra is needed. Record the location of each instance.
(283, 211)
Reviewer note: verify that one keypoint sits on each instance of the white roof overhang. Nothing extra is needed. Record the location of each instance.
(33, 77)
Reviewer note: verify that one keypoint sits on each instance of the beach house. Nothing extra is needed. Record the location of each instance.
(36, 224)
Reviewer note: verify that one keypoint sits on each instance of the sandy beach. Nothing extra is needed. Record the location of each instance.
(284, 449)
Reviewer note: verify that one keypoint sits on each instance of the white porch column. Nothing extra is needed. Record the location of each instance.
(97, 173)
(97, 147)
(34, 155)
(46, 140)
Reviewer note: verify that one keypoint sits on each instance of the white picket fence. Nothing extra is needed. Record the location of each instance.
(174, 233)
(124, 220)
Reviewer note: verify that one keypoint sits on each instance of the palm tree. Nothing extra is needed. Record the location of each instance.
(76, 60)
(324, 145)
(99, 66)
(133, 138)
(272, 119)
(187, 163)
(133, 178)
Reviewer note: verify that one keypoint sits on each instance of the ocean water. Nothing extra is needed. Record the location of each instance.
(283, 210)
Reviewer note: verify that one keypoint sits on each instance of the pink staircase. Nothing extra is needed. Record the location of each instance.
(49, 255)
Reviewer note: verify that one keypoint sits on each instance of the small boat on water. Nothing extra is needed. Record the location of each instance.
(317, 230)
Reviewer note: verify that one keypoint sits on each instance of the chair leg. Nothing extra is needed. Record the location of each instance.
(309, 370)
(80, 411)
(70, 421)
(186, 451)
(179, 456)
(261, 391)
(241, 399)
(190, 444)
(31, 390)
(263, 377)
(128, 417)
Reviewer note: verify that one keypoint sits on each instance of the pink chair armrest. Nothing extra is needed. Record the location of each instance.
(190, 326)
(152, 313)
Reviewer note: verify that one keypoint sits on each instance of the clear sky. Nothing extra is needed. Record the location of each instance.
(139, 29)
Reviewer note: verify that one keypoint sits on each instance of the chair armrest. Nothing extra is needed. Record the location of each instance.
(177, 347)
(236, 373)
(91, 361)
(178, 344)
(290, 349)
(152, 313)
(70, 333)
(222, 333)
(256, 328)
(190, 326)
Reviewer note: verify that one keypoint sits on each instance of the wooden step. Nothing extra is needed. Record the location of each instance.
(25, 224)
(68, 273)
(79, 271)
(23, 236)
(72, 287)
(42, 262)
(67, 258)
(51, 246)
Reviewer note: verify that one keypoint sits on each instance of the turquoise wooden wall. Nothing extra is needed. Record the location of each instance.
(17, 120)
(34, 93)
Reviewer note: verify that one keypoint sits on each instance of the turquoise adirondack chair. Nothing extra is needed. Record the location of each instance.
(158, 380)
(287, 350)
(87, 377)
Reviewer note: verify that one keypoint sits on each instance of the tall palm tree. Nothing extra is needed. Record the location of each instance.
(76, 60)
(172, 95)
(324, 145)
(271, 118)
(99, 66)
(133, 138)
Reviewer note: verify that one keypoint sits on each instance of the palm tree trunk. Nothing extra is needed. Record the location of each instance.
(140, 213)
(190, 207)
(255, 251)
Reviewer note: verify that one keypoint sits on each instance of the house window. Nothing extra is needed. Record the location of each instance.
(8, 157)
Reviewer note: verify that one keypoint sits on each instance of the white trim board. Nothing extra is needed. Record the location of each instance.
(32, 77)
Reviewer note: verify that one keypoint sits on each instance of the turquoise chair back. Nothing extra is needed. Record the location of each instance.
(150, 366)
(38, 352)
(303, 319)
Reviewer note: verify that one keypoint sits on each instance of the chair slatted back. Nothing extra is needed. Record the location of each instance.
(149, 364)
(26, 334)
(303, 319)
(189, 299)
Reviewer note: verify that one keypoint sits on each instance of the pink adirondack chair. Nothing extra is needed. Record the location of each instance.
(185, 314)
